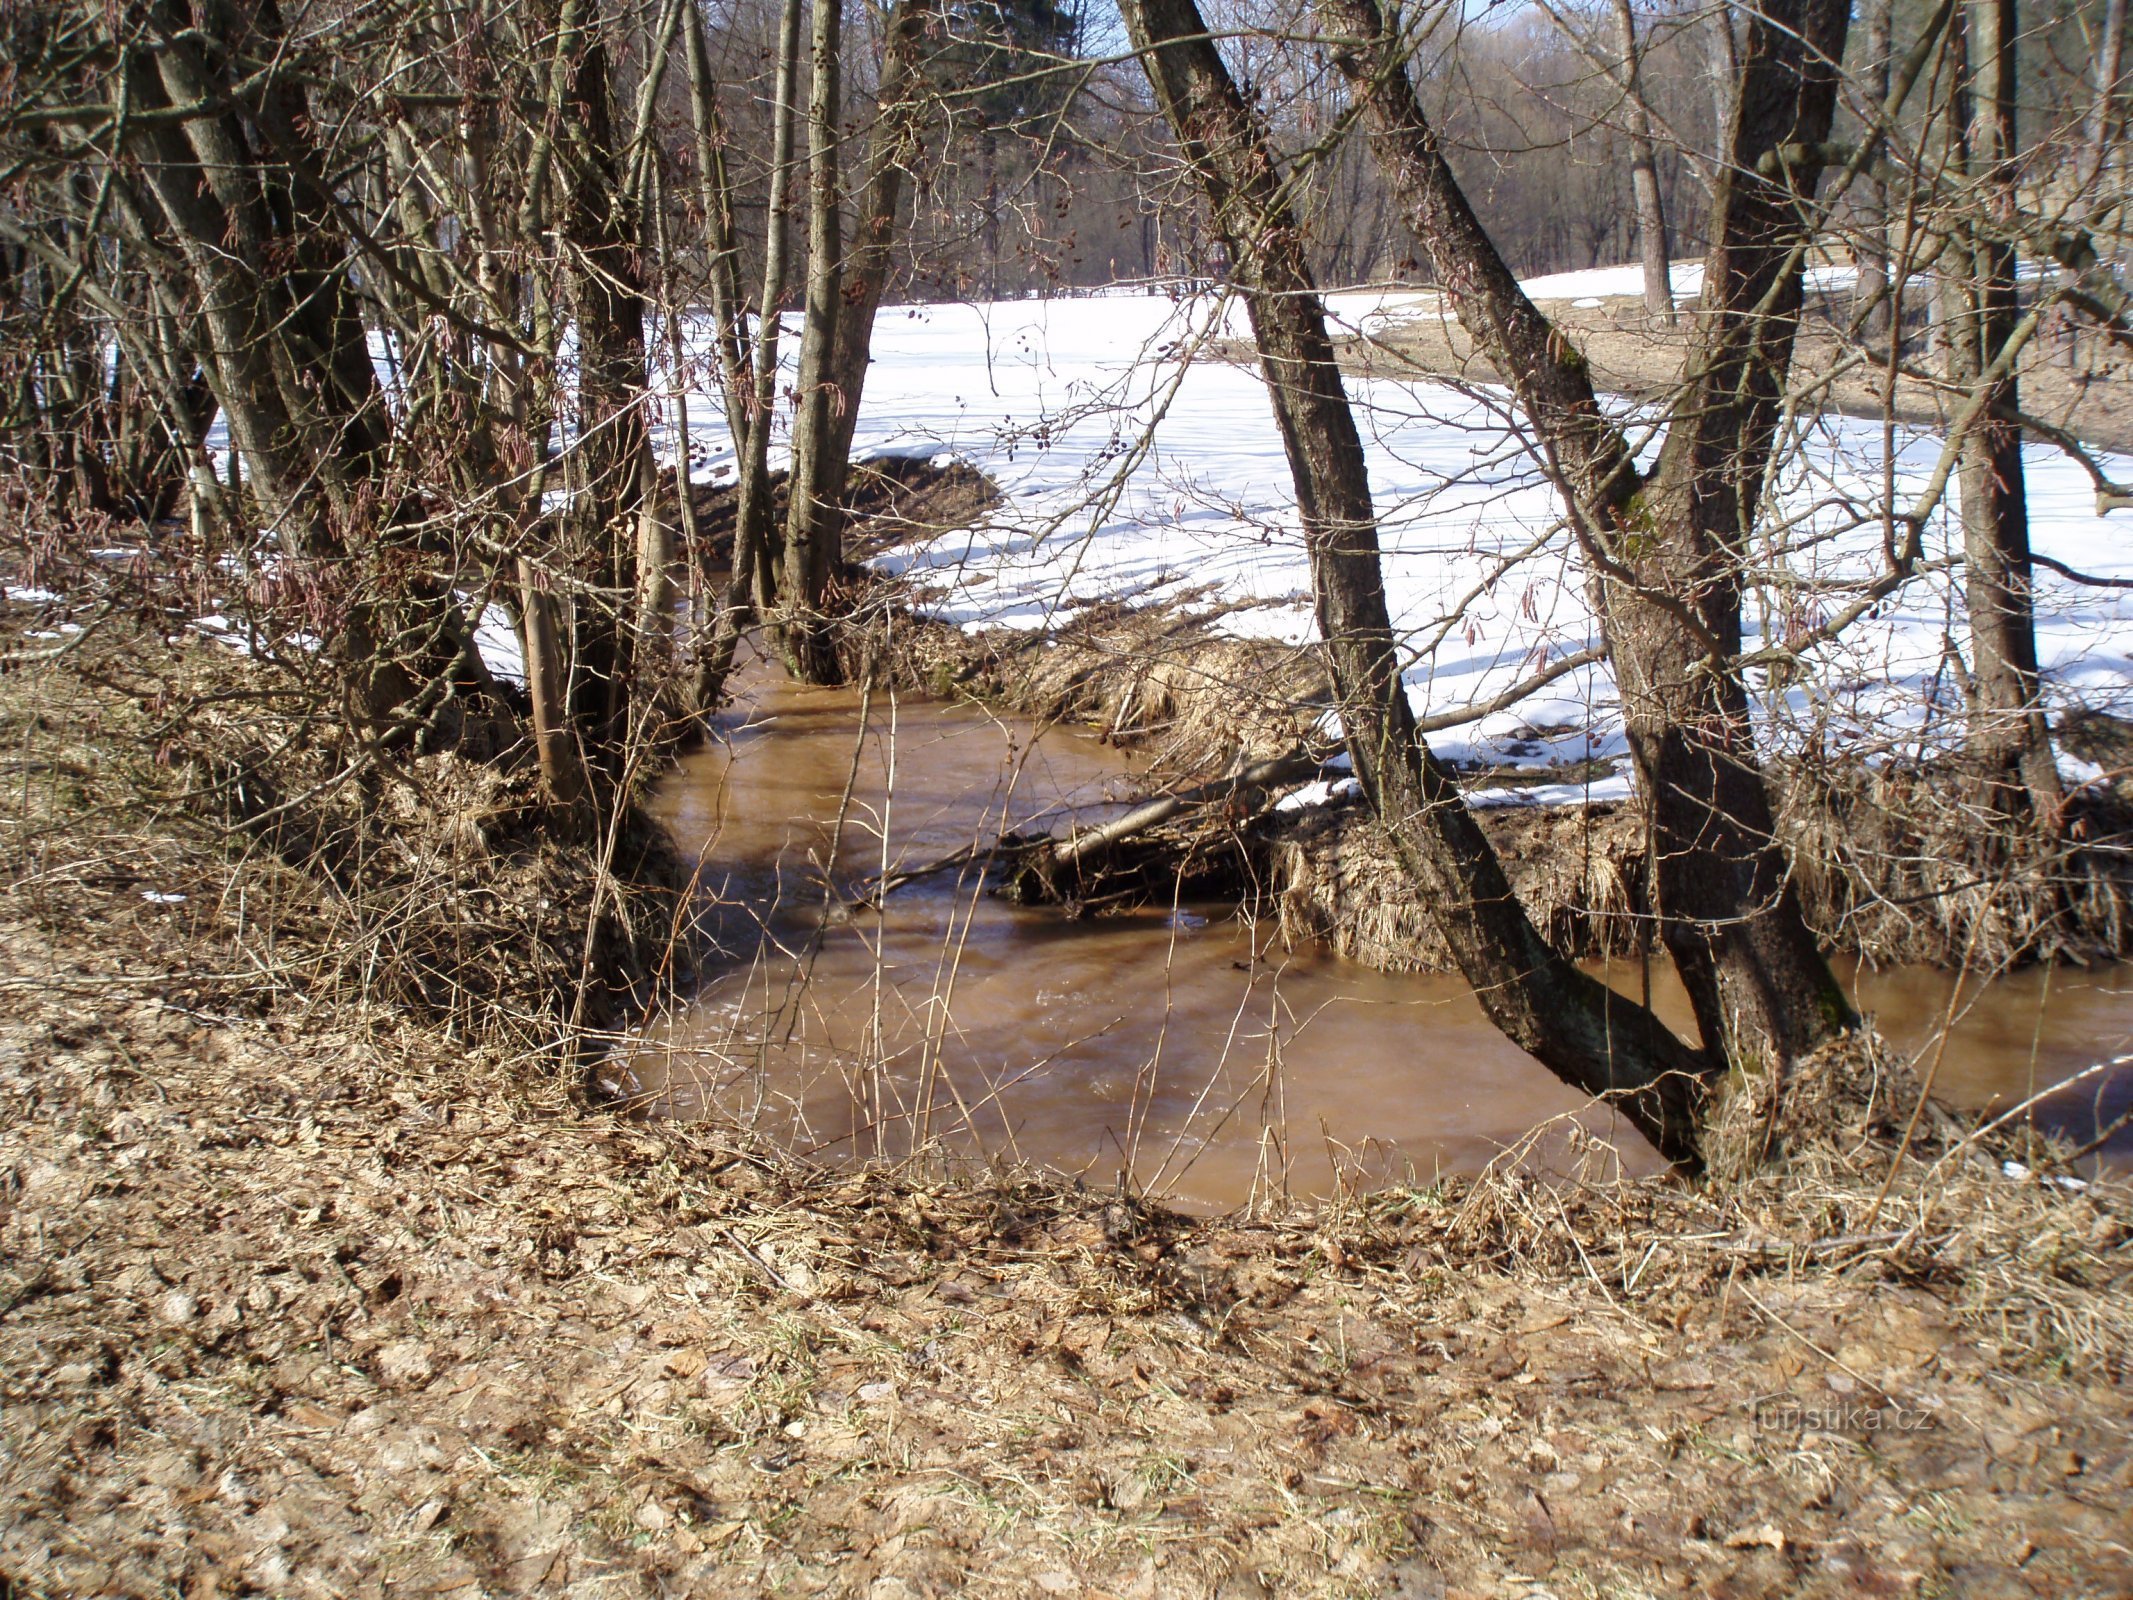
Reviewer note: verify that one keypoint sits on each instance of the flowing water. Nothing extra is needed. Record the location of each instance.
(1183, 1047)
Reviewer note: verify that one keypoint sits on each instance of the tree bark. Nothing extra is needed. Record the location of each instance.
(2009, 732)
(814, 527)
(715, 191)
(544, 634)
(1589, 1036)
(751, 585)
(895, 147)
(544, 616)
(752, 518)
(1653, 243)
(605, 516)
(287, 358)
(2102, 124)
(1871, 289)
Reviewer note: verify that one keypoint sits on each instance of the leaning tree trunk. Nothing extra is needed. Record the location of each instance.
(1667, 550)
(1585, 1033)
(894, 149)
(2009, 735)
(242, 190)
(814, 525)
(1652, 240)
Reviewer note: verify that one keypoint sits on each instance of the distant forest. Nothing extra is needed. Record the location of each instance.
(1048, 167)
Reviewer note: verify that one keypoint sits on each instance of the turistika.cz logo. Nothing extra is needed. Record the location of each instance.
(1788, 1413)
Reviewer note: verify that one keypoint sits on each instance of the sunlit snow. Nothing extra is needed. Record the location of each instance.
(1136, 465)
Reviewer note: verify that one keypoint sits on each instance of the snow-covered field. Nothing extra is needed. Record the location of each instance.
(1135, 465)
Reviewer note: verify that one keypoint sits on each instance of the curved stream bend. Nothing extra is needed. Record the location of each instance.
(1190, 1050)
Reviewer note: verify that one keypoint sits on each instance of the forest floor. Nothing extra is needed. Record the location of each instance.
(2083, 390)
(301, 1292)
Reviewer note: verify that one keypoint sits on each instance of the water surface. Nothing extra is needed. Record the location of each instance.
(1179, 1045)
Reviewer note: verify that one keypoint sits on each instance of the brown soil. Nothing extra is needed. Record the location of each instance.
(2086, 389)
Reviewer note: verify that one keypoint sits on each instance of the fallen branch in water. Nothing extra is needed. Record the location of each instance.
(1256, 775)
(1045, 855)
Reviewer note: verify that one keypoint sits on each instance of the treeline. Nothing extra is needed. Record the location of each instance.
(1048, 167)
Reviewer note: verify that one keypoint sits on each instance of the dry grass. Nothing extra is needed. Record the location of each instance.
(1902, 864)
(431, 882)
(1185, 699)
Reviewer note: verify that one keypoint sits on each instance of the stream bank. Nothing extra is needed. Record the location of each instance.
(1172, 1043)
(1892, 863)
(1251, 1003)
(304, 1292)
(309, 1289)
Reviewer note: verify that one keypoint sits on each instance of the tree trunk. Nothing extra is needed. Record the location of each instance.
(895, 147)
(1667, 550)
(655, 534)
(2104, 136)
(751, 585)
(1871, 291)
(2009, 733)
(1577, 1027)
(603, 524)
(2102, 128)
(833, 382)
(814, 524)
(1653, 244)
(752, 518)
(1762, 992)
(989, 191)
(715, 189)
(526, 396)
(545, 634)
(1723, 51)
(286, 355)
(673, 313)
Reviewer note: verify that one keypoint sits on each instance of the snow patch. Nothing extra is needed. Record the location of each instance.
(498, 643)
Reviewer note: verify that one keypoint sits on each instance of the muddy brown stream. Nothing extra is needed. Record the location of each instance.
(1185, 1047)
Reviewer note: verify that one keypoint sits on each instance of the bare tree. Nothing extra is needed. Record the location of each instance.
(1579, 1028)
(1667, 548)
(1873, 288)
(812, 523)
(243, 190)
(752, 557)
(1652, 241)
(2010, 735)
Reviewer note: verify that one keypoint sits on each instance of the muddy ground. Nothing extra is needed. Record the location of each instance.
(309, 1287)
